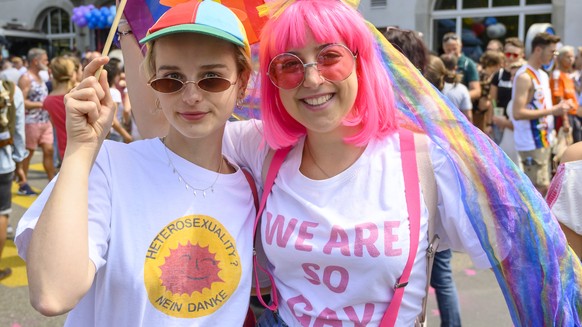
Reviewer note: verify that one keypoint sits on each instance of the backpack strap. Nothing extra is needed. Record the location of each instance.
(429, 193)
(274, 166)
(412, 191)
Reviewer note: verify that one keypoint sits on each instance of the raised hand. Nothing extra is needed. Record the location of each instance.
(89, 109)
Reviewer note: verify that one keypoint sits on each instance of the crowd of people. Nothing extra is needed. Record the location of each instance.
(39, 120)
(359, 181)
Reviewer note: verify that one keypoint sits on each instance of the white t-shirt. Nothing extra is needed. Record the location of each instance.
(533, 134)
(565, 193)
(163, 257)
(336, 247)
(459, 96)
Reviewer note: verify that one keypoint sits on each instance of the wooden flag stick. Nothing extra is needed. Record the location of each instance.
(111, 34)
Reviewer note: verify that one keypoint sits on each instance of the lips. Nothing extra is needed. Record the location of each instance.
(193, 115)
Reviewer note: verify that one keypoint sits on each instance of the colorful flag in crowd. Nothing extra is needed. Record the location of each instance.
(141, 15)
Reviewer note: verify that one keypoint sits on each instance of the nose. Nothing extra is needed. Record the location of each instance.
(191, 93)
(312, 76)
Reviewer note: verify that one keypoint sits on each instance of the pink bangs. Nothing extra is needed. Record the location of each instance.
(329, 21)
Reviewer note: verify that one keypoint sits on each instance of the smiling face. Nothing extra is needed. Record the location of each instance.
(318, 104)
(193, 112)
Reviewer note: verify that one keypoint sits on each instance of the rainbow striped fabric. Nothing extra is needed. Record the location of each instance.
(539, 275)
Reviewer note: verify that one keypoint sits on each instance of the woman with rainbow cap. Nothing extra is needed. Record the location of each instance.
(346, 243)
(138, 234)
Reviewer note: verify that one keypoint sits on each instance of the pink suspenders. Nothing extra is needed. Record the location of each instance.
(412, 191)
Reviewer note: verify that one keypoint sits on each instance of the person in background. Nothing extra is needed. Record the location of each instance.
(501, 84)
(564, 196)
(145, 224)
(118, 132)
(507, 141)
(494, 45)
(413, 47)
(454, 89)
(410, 44)
(466, 67)
(442, 273)
(491, 62)
(19, 64)
(563, 88)
(64, 75)
(577, 75)
(9, 73)
(533, 111)
(39, 130)
(12, 154)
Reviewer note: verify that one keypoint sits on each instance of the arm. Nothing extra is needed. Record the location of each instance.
(523, 92)
(149, 121)
(20, 152)
(475, 90)
(572, 153)
(119, 129)
(60, 271)
(24, 83)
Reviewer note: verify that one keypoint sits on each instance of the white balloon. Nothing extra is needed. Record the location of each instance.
(496, 31)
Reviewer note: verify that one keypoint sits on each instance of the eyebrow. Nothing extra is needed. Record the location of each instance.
(209, 66)
(317, 48)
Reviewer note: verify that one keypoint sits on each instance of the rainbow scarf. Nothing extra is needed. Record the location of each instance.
(540, 276)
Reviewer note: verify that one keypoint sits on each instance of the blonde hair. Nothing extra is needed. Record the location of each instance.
(63, 71)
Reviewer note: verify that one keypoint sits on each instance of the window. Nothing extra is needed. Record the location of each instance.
(479, 21)
(379, 3)
(57, 25)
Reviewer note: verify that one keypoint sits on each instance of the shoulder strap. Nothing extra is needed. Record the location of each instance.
(253, 187)
(412, 191)
(274, 167)
(429, 193)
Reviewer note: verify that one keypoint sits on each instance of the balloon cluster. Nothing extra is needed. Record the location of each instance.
(94, 18)
(489, 25)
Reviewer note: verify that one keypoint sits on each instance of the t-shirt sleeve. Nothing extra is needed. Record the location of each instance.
(115, 95)
(466, 103)
(472, 73)
(99, 212)
(244, 144)
(452, 223)
(495, 78)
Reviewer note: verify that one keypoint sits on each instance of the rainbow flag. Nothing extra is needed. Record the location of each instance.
(142, 14)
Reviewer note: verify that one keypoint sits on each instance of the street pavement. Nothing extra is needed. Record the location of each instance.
(482, 304)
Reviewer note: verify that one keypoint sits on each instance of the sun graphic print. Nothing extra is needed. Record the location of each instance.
(192, 267)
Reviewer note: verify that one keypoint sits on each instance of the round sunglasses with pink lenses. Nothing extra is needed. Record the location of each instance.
(335, 63)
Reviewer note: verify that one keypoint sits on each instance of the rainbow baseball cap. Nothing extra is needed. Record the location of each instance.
(203, 17)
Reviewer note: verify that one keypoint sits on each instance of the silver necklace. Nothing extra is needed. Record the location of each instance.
(189, 187)
(313, 159)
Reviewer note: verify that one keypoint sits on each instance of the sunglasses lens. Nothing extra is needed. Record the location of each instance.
(335, 63)
(286, 71)
(166, 85)
(214, 84)
(511, 55)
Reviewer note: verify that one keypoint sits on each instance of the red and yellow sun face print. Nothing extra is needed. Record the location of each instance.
(191, 267)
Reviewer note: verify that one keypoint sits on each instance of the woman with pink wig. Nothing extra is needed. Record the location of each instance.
(336, 229)
(346, 245)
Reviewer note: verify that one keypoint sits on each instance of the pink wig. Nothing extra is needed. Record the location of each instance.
(329, 21)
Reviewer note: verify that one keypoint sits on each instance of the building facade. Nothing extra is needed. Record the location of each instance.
(47, 23)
